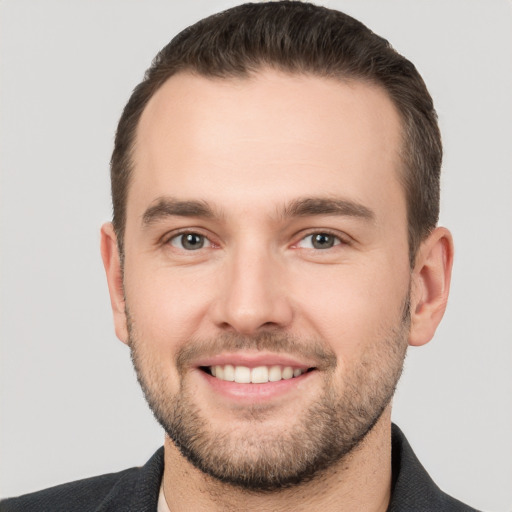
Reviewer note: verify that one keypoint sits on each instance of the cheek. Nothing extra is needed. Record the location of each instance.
(165, 304)
(162, 317)
(351, 307)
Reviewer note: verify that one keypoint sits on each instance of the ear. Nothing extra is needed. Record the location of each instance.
(112, 264)
(430, 285)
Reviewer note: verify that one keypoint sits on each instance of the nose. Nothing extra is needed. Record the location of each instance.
(252, 295)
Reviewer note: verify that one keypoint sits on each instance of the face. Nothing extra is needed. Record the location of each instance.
(266, 273)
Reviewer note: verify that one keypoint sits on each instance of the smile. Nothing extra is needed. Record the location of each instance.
(256, 375)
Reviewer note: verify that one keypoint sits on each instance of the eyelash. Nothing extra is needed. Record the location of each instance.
(174, 236)
(339, 240)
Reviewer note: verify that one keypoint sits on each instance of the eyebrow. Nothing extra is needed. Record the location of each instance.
(304, 207)
(170, 207)
(308, 206)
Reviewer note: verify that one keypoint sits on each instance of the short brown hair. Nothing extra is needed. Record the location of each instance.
(297, 37)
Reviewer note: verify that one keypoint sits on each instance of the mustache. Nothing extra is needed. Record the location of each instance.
(310, 350)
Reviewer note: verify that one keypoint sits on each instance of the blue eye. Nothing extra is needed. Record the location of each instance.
(189, 241)
(319, 241)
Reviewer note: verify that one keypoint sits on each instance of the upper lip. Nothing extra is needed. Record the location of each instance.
(254, 359)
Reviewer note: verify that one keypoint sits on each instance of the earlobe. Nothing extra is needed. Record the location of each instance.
(113, 270)
(430, 285)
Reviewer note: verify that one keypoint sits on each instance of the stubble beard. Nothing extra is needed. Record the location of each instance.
(264, 460)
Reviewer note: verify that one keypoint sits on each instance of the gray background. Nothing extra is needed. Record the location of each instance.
(70, 405)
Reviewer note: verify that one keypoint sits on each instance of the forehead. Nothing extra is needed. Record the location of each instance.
(293, 131)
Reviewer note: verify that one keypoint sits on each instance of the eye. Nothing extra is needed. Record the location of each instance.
(319, 241)
(189, 241)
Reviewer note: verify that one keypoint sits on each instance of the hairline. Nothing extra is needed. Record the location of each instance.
(402, 151)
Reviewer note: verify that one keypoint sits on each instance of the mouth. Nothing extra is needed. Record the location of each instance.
(254, 375)
(251, 377)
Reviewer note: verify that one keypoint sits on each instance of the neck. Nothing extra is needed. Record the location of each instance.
(360, 481)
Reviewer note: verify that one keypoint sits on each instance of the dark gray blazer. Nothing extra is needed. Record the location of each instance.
(136, 489)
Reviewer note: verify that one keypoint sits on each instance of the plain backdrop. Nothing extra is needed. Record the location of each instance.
(70, 404)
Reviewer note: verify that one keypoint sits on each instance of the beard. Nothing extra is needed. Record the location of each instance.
(259, 457)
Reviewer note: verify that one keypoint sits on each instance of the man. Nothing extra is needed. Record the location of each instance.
(273, 252)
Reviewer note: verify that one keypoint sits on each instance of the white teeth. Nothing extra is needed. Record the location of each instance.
(287, 372)
(242, 374)
(229, 372)
(257, 375)
(275, 374)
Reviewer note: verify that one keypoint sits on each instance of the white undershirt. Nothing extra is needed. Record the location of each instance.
(162, 503)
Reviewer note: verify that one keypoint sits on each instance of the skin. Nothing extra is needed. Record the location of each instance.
(248, 148)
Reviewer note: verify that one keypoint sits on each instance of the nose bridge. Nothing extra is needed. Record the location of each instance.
(252, 296)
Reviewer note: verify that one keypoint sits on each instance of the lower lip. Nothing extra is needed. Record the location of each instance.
(255, 393)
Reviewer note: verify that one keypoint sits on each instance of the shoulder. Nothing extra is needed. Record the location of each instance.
(413, 488)
(79, 495)
(113, 491)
